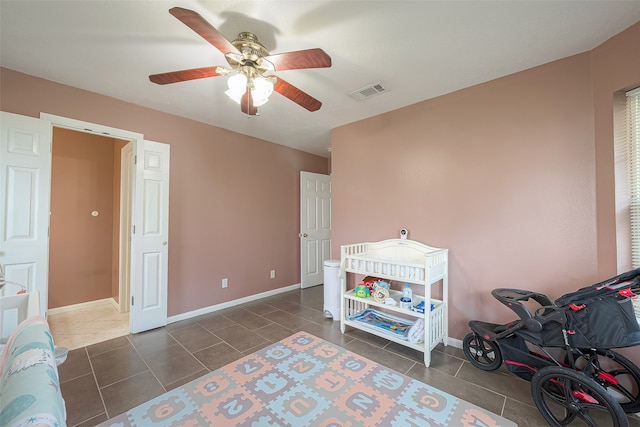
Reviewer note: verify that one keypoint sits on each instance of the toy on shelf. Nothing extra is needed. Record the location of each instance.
(379, 283)
(362, 291)
(373, 283)
(380, 295)
(369, 283)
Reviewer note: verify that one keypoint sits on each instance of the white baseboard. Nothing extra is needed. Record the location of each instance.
(454, 342)
(80, 306)
(223, 305)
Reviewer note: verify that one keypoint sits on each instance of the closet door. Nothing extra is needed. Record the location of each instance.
(25, 174)
(315, 227)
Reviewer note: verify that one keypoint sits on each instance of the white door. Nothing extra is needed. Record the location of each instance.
(25, 176)
(315, 227)
(149, 246)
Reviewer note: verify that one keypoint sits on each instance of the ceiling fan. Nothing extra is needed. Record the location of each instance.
(250, 64)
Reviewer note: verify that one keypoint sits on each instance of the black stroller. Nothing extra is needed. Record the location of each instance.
(565, 350)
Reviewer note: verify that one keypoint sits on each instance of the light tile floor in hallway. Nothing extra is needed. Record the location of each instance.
(80, 327)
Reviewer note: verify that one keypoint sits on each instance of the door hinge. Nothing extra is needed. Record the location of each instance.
(134, 230)
(131, 299)
(135, 159)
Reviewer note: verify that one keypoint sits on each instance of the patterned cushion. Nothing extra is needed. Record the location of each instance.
(30, 390)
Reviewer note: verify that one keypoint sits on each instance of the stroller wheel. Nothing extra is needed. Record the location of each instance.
(617, 374)
(482, 353)
(563, 395)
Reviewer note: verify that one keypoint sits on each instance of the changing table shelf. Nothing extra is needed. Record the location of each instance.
(403, 261)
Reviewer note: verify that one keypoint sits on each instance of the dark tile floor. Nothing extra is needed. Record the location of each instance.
(103, 380)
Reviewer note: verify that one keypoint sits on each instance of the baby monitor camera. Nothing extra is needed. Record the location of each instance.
(404, 233)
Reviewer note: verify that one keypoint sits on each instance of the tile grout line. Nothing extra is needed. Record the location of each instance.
(504, 406)
(185, 349)
(120, 380)
(95, 379)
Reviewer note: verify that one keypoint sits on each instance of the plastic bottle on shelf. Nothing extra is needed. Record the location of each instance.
(405, 301)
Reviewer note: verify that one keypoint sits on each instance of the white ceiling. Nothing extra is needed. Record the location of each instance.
(417, 50)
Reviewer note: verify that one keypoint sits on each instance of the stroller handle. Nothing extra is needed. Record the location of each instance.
(513, 299)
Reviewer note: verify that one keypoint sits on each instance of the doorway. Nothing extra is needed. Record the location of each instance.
(89, 239)
(25, 174)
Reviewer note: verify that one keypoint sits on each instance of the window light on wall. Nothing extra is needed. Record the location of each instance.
(632, 124)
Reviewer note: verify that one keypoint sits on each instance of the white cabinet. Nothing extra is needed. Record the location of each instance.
(398, 261)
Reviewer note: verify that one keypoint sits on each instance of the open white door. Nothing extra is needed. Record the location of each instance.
(25, 192)
(315, 227)
(149, 246)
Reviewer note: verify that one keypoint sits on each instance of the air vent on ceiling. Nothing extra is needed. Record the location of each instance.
(368, 91)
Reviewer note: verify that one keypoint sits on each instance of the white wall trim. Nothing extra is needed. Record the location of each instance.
(454, 342)
(97, 129)
(223, 305)
(81, 306)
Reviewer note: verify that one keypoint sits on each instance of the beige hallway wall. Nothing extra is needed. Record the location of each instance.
(81, 245)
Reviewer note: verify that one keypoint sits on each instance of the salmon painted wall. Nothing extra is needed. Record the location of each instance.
(234, 199)
(80, 244)
(505, 174)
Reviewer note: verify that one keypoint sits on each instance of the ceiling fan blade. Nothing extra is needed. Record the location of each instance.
(246, 104)
(296, 95)
(198, 24)
(181, 76)
(310, 58)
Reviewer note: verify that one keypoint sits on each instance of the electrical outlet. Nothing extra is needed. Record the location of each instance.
(273, 274)
(225, 282)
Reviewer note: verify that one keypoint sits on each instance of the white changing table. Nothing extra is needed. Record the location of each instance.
(401, 261)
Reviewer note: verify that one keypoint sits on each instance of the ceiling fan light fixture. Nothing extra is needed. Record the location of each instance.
(261, 91)
(237, 87)
(261, 88)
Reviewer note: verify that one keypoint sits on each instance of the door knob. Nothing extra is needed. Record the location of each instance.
(305, 235)
(164, 243)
